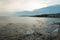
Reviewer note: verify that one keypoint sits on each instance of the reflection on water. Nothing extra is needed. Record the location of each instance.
(27, 25)
(32, 22)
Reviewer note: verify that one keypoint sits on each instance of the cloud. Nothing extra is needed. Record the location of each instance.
(7, 6)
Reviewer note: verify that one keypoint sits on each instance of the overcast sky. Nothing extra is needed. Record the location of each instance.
(7, 6)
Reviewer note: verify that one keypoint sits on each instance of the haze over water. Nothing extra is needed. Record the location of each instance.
(31, 22)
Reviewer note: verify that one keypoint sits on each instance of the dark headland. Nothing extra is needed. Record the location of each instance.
(56, 15)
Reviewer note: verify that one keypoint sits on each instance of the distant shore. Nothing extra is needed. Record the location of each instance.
(57, 15)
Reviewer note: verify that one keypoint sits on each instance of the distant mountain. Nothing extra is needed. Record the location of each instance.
(49, 9)
(23, 13)
(46, 10)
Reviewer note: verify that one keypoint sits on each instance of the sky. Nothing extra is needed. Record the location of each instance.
(11, 6)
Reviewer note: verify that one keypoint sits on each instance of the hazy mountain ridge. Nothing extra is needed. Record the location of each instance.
(50, 9)
(46, 10)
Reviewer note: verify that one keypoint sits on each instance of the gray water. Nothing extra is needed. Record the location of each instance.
(29, 24)
(12, 26)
